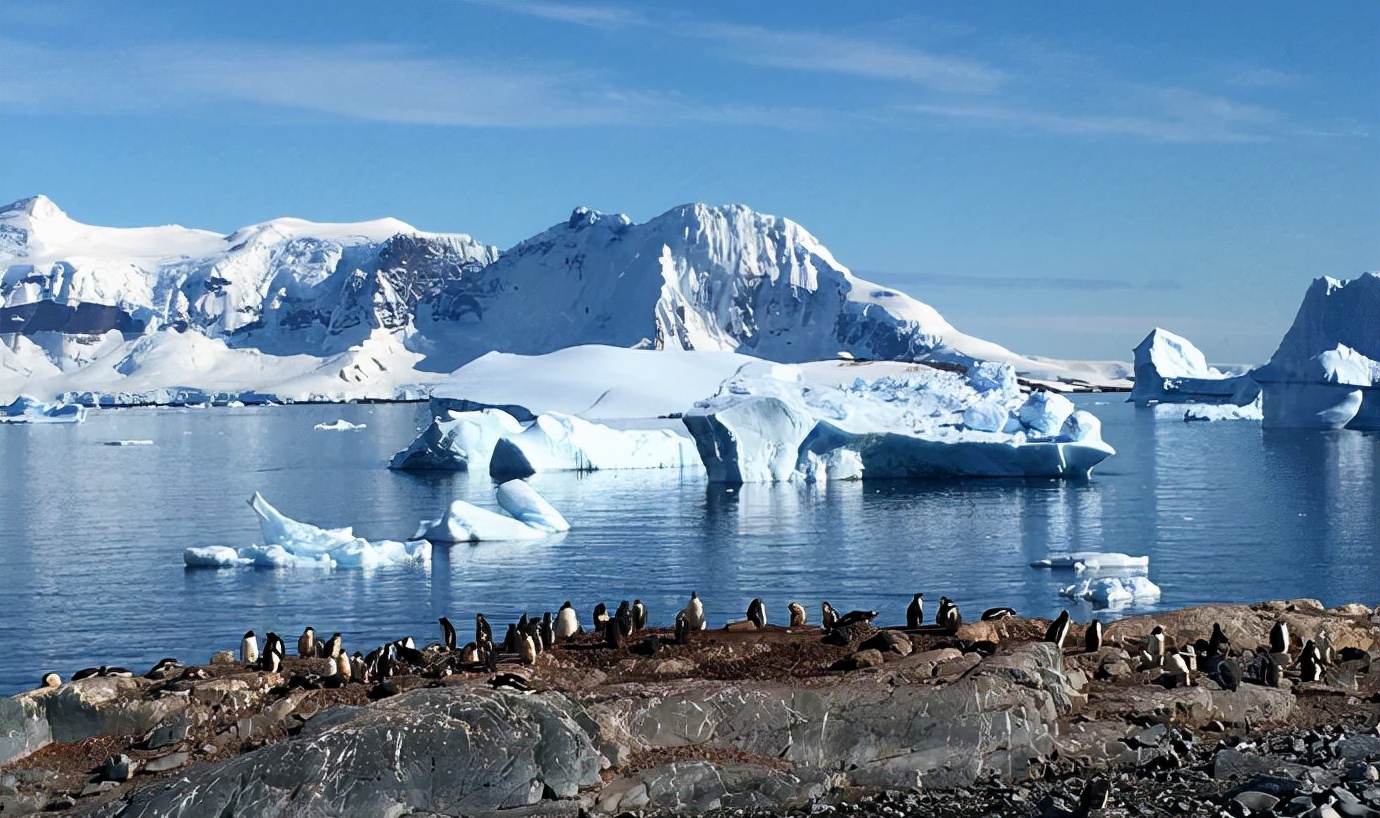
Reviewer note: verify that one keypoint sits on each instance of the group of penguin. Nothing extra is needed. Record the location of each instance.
(1215, 657)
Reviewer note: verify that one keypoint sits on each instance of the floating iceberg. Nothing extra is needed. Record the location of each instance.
(25, 409)
(1093, 560)
(1326, 372)
(521, 501)
(776, 422)
(340, 425)
(528, 516)
(1224, 411)
(1170, 369)
(1113, 592)
(552, 442)
(290, 543)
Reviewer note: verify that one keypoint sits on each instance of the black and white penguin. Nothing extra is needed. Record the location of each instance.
(86, 673)
(1218, 643)
(1058, 631)
(1154, 648)
(948, 616)
(122, 672)
(682, 628)
(757, 613)
(567, 623)
(274, 653)
(548, 632)
(50, 680)
(915, 611)
(1327, 653)
(993, 614)
(1310, 663)
(1096, 793)
(306, 643)
(163, 668)
(483, 634)
(359, 671)
(601, 617)
(623, 617)
(1270, 674)
(510, 639)
(1092, 637)
(448, 637)
(510, 682)
(797, 614)
(694, 613)
(613, 635)
(1176, 665)
(333, 646)
(408, 654)
(344, 668)
(249, 648)
(829, 617)
(855, 618)
(639, 614)
(1279, 637)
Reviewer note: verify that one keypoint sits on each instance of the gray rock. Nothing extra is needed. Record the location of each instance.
(889, 642)
(1256, 801)
(1233, 764)
(1150, 736)
(104, 706)
(861, 660)
(118, 768)
(162, 764)
(23, 727)
(168, 733)
(1359, 748)
(445, 751)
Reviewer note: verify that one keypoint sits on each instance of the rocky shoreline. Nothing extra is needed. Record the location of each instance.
(986, 720)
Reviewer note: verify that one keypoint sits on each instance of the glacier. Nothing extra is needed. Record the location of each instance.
(1170, 369)
(292, 310)
(1325, 374)
(776, 422)
(289, 543)
(25, 409)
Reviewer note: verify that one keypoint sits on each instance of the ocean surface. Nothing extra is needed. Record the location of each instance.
(92, 535)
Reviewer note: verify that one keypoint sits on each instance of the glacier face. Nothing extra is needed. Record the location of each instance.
(76, 296)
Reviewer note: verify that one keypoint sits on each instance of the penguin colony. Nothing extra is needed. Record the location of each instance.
(527, 639)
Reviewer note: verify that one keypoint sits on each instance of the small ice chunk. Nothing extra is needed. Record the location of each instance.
(1225, 411)
(129, 443)
(518, 498)
(1094, 560)
(340, 425)
(466, 522)
(213, 556)
(1045, 412)
(1113, 592)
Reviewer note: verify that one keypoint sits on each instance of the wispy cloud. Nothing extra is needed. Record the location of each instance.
(822, 52)
(1263, 78)
(592, 16)
(1021, 282)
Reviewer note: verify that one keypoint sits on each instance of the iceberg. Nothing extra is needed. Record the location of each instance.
(1093, 560)
(775, 422)
(340, 425)
(523, 503)
(25, 409)
(457, 441)
(1225, 411)
(466, 522)
(1113, 592)
(1170, 369)
(1326, 372)
(290, 543)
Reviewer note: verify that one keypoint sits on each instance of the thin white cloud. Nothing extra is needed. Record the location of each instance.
(814, 51)
(591, 16)
(1264, 78)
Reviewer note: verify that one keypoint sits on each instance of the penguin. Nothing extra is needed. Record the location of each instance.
(1310, 663)
(1218, 643)
(828, 616)
(447, 634)
(86, 673)
(358, 670)
(601, 617)
(548, 633)
(483, 634)
(639, 613)
(855, 618)
(469, 654)
(1270, 673)
(567, 623)
(510, 682)
(1279, 637)
(1058, 631)
(274, 653)
(408, 654)
(528, 649)
(948, 616)
(1092, 637)
(613, 635)
(1190, 657)
(163, 668)
(343, 667)
(1327, 653)
(682, 628)
(694, 613)
(333, 645)
(624, 619)
(757, 613)
(382, 690)
(1154, 648)
(122, 672)
(915, 612)
(797, 614)
(249, 648)
(1176, 665)
(1095, 795)
(993, 614)
(306, 643)
(1229, 674)
(50, 680)
(510, 639)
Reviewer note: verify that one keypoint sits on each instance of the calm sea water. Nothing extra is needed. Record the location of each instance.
(91, 535)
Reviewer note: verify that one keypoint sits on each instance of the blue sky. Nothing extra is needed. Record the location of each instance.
(1058, 177)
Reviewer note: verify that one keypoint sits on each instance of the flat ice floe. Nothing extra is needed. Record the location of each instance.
(1113, 592)
(340, 425)
(775, 422)
(1092, 560)
(290, 543)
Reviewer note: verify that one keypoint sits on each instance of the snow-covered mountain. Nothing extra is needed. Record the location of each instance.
(695, 277)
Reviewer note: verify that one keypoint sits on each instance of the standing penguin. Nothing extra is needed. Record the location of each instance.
(1092, 637)
(828, 616)
(613, 635)
(639, 615)
(528, 650)
(1218, 643)
(797, 614)
(548, 633)
(448, 637)
(694, 613)
(1279, 637)
(1270, 673)
(601, 617)
(948, 616)
(757, 613)
(1327, 653)
(682, 628)
(915, 612)
(249, 648)
(333, 646)
(1154, 648)
(1058, 630)
(624, 618)
(510, 639)
(274, 653)
(1229, 674)
(567, 623)
(344, 668)
(483, 634)
(1310, 663)
(306, 643)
